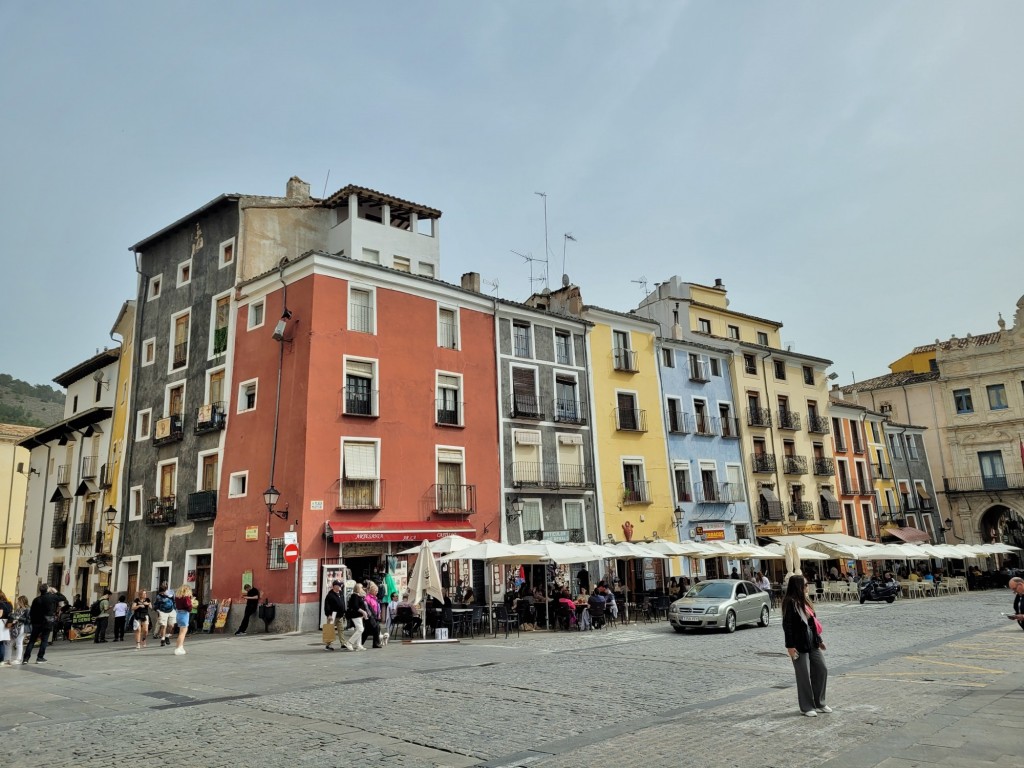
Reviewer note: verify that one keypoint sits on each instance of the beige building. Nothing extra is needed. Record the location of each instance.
(14, 474)
(969, 394)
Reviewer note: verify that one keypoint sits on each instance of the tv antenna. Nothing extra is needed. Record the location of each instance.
(492, 284)
(565, 241)
(530, 259)
(547, 250)
(642, 282)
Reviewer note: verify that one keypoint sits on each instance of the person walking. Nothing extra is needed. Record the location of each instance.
(140, 618)
(6, 617)
(252, 602)
(371, 625)
(183, 609)
(1016, 585)
(804, 646)
(356, 612)
(165, 614)
(19, 626)
(103, 619)
(334, 610)
(42, 616)
(120, 615)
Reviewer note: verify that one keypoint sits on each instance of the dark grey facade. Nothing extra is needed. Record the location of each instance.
(915, 505)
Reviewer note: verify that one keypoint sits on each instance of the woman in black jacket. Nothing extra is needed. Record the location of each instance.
(804, 646)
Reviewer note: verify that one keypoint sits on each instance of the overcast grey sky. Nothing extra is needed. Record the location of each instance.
(850, 169)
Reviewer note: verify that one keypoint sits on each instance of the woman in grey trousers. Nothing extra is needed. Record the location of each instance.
(804, 646)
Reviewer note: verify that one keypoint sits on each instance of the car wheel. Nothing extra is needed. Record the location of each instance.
(764, 617)
(680, 630)
(890, 599)
(730, 622)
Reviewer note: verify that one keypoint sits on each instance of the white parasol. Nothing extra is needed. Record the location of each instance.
(425, 580)
(792, 560)
(443, 546)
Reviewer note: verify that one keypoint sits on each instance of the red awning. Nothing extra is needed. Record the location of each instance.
(349, 532)
(910, 535)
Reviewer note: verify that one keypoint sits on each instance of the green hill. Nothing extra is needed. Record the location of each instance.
(29, 404)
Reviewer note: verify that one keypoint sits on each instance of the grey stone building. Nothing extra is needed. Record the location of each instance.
(913, 515)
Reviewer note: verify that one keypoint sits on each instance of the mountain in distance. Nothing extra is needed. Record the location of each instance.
(30, 405)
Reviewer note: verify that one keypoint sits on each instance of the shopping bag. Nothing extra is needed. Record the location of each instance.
(329, 635)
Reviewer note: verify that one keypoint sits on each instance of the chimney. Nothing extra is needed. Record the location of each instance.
(719, 284)
(297, 189)
(471, 281)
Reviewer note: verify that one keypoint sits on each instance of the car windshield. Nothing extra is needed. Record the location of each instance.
(710, 589)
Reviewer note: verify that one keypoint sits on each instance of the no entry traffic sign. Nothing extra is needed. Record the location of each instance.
(291, 553)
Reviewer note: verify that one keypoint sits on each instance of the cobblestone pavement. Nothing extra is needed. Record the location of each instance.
(921, 682)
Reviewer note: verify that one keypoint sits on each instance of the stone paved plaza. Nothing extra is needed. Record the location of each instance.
(935, 681)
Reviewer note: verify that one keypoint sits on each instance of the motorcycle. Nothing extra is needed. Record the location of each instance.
(877, 591)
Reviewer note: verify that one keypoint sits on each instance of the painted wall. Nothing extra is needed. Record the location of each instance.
(13, 493)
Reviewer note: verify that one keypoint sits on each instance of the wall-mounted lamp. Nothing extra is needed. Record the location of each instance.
(515, 509)
(270, 497)
(278, 334)
(833, 376)
(110, 515)
(29, 472)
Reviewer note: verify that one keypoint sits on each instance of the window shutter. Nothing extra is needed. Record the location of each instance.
(522, 381)
(447, 382)
(524, 437)
(570, 439)
(448, 456)
(359, 368)
(360, 461)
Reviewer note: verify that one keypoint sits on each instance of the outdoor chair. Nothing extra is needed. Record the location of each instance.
(407, 620)
(612, 618)
(477, 619)
(661, 607)
(502, 618)
(597, 615)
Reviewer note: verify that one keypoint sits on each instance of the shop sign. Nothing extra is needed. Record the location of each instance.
(770, 530)
(811, 528)
(557, 536)
(714, 534)
(252, 533)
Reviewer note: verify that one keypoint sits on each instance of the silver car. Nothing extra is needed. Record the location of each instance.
(721, 604)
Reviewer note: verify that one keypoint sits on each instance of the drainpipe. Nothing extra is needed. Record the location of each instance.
(110, 444)
(42, 509)
(771, 431)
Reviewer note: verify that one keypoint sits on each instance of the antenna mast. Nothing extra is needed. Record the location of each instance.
(565, 240)
(547, 250)
(529, 258)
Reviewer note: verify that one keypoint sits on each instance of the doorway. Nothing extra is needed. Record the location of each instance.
(202, 589)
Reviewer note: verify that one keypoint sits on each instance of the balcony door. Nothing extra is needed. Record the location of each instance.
(993, 473)
(217, 387)
(210, 472)
(167, 473)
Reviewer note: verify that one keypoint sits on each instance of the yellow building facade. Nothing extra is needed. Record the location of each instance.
(14, 474)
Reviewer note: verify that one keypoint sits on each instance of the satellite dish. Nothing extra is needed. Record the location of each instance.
(98, 376)
(565, 281)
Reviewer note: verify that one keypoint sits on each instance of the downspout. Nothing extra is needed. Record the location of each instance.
(110, 445)
(771, 431)
(42, 509)
(503, 519)
(277, 401)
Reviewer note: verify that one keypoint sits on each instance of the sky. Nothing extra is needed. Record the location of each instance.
(853, 170)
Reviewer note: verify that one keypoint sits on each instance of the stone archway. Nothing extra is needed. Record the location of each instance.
(1000, 523)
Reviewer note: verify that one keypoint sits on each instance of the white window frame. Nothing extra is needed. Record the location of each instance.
(531, 352)
(427, 269)
(375, 441)
(583, 516)
(456, 323)
(249, 324)
(740, 492)
(211, 355)
(372, 291)
(536, 448)
(912, 453)
(459, 396)
(232, 488)
(206, 386)
(123, 567)
(555, 333)
(177, 476)
(529, 501)
(139, 437)
(275, 555)
(171, 370)
(183, 383)
(191, 557)
(707, 415)
(682, 466)
(632, 461)
(682, 415)
(136, 501)
(895, 449)
(369, 256)
(668, 357)
(374, 382)
(636, 406)
(405, 261)
(713, 364)
(241, 396)
(199, 468)
(155, 287)
(222, 249)
(154, 581)
(149, 343)
(187, 264)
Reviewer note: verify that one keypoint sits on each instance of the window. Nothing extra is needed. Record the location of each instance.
(247, 396)
(703, 325)
(962, 401)
(716, 366)
(256, 313)
(524, 393)
(371, 256)
(184, 273)
(701, 417)
(851, 520)
(402, 264)
(729, 425)
(571, 471)
(734, 332)
(629, 417)
(209, 471)
(780, 369)
(521, 339)
(221, 317)
(622, 353)
(912, 448)
(532, 521)
(360, 475)
(563, 348)
(749, 364)
(855, 441)
(426, 269)
(869, 528)
(275, 556)
(681, 477)
(838, 436)
(709, 490)
(675, 415)
(668, 358)
(174, 399)
(572, 513)
(996, 397)
(808, 375)
(227, 253)
(698, 368)
(167, 480)
(993, 472)
(762, 338)
(148, 352)
(567, 404)
(143, 424)
(135, 503)
(734, 476)
(447, 328)
(179, 340)
(449, 404)
(526, 457)
(894, 447)
(634, 487)
(361, 310)
(154, 287)
(451, 493)
(874, 432)
(238, 484)
(360, 392)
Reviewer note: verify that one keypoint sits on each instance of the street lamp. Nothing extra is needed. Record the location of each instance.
(270, 497)
(515, 505)
(948, 528)
(110, 515)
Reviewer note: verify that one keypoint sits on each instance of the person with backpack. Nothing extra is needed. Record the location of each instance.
(100, 613)
(165, 613)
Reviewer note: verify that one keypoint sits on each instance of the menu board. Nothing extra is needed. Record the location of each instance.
(83, 626)
(211, 612)
(222, 613)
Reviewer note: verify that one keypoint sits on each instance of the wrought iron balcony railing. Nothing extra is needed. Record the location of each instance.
(847, 487)
(454, 499)
(631, 419)
(717, 493)
(180, 354)
(794, 465)
(829, 510)
(202, 505)
(824, 467)
(858, 446)
(525, 406)
(528, 474)
(82, 534)
(90, 467)
(699, 372)
(624, 360)
(730, 426)
(168, 430)
(982, 484)
(360, 402)
(210, 418)
(770, 511)
(817, 424)
(892, 515)
(161, 511)
(704, 425)
(803, 510)
(59, 534)
(636, 492)
(759, 417)
(679, 423)
(448, 413)
(762, 462)
(361, 494)
(788, 419)
(569, 411)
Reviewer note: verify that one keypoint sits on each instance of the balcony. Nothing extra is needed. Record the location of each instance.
(762, 462)
(858, 446)
(636, 492)
(210, 418)
(168, 430)
(528, 474)
(106, 476)
(730, 426)
(679, 423)
(771, 511)
(803, 510)
(624, 360)
(829, 510)
(451, 499)
(180, 355)
(817, 424)
(699, 372)
(361, 495)
(90, 467)
(82, 534)
(220, 340)
(360, 402)
(533, 534)
(59, 533)
(824, 467)
(569, 411)
(703, 425)
(202, 505)
(759, 417)
(982, 484)
(847, 488)
(160, 511)
(794, 465)
(63, 474)
(717, 493)
(448, 413)
(524, 406)
(630, 420)
(788, 419)
(893, 515)
(883, 471)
